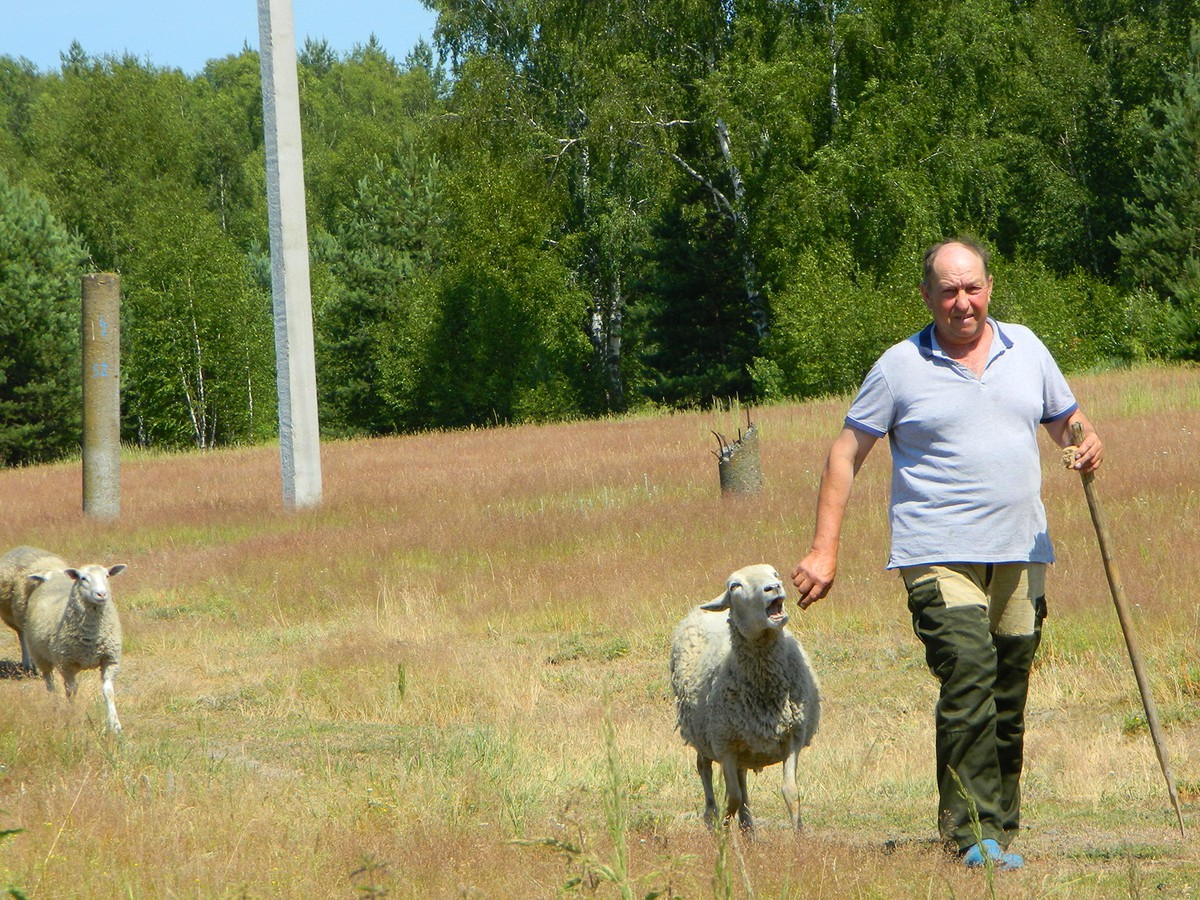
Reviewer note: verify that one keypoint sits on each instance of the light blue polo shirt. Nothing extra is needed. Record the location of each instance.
(966, 471)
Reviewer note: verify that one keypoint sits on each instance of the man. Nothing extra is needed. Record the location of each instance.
(961, 402)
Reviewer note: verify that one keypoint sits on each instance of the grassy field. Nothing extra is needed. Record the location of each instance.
(450, 680)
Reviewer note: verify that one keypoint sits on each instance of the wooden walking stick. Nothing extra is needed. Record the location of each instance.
(1135, 654)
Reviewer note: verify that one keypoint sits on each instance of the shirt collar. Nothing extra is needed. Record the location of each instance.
(928, 345)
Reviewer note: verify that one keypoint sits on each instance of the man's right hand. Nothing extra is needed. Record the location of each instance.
(813, 577)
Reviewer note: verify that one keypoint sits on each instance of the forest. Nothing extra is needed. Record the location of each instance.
(568, 209)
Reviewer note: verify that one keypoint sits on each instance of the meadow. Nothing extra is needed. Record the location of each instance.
(450, 678)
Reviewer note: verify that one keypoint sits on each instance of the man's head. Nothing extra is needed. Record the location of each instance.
(957, 289)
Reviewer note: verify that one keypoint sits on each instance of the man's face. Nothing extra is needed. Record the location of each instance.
(958, 296)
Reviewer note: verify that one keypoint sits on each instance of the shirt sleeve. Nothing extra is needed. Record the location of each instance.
(1058, 401)
(873, 409)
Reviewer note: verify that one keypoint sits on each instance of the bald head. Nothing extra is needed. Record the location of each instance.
(933, 252)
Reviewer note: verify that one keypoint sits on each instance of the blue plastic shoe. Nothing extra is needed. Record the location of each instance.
(974, 857)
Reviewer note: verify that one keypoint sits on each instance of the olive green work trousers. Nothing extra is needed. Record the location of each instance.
(981, 625)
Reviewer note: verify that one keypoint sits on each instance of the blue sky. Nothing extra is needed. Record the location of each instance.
(185, 34)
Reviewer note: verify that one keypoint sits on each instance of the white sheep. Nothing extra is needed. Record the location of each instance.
(71, 624)
(745, 694)
(15, 568)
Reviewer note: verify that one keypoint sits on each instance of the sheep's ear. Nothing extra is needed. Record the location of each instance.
(718, 603)
(117, 569)
(73, 574)
(38, 577)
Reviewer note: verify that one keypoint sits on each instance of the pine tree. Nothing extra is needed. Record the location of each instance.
(696, 323)
(1162, 249)
(40, 268)
(385, 239)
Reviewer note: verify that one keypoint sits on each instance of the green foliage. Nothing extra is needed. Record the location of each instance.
(40, 364)
(604, 204)
(19, 86)
(198, 355)
(118, 143)
(1071, 315)
(373, 171)
(1161, 247)
(355, 112)
(226, 109)
(106, 135)
(373, 325)
(831, 325)
(504, 344)
(697, 334)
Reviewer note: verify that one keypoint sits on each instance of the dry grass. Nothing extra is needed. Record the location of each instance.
(394, 692)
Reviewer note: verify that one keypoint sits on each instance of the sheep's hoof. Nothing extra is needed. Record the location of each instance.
(745, 819)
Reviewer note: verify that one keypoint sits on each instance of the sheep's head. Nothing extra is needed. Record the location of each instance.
(92, 581)
(754, 597)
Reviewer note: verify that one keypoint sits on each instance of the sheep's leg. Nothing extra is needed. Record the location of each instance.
(47, 671)
(108, 687)
(704, 767)
(735, 796)
(745, 820)
(26, 658)
(791, 796)
(69, 683)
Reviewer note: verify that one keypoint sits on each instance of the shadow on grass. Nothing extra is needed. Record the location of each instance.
(11, 669)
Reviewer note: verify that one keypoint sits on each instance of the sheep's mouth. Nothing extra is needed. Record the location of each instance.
(775, 611)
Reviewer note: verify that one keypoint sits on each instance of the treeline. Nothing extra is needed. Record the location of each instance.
(576, 207)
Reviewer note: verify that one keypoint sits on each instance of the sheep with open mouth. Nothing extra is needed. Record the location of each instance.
(745, 693)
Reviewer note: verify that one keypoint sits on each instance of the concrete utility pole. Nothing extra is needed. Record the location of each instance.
(102, 395)
(296, 373)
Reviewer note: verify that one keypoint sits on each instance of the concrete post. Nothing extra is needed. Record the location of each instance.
(299, 441)
(102, 395)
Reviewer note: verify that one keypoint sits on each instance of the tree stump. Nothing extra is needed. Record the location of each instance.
(738, 464)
